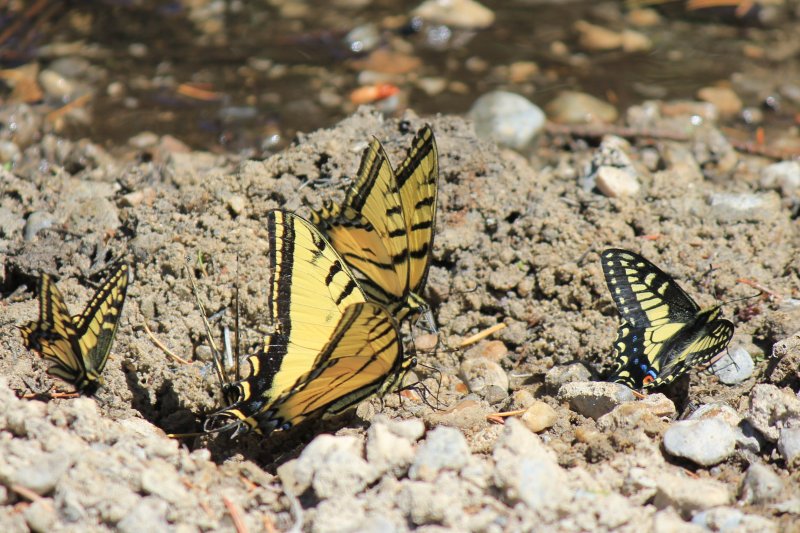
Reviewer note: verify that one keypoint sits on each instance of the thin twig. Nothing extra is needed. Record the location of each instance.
(236, 515)
(161, 345)
(482, 334)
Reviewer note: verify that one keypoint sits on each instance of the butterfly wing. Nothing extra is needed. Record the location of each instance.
(53, 334)
(312, 289)
(361, 355)
(662, 325)
(384, 228)
(97, 325)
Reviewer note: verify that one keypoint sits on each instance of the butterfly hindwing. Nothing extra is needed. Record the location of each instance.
(664, 332)
(331, 347)
(78, 346)
(384, 228)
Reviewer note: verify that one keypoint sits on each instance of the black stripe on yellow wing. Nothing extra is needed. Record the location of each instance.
(324, 327)
(384, 227)
(362, 357)
(664, 333)
(78, 346)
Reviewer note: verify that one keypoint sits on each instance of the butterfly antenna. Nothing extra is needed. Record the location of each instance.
(219, 366)
(237, 354)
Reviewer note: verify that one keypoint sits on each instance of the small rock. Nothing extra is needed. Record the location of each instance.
(704, 442)
(236, 204)
(150, 514)
(444, 448)
(332, 466)
(741, 207)
(41, 516)
(36, 222)
(144, 140)
(559, 375)
(507, 118)
(724, 99)
(616, 182)
(771, 409)
(688, 495)
(432, 86)
(789, 446)
(634, 41)
(784, 176)
(466, 14)
(144, 196)
(539, 417)
(426, 343)
(56, 86)
(593, 37)
(720, 410)
(486, 378)
(760, 485)
(643, 17)
(571, 107)
(388, 451)
(42, 476)
(467, 414)
(593, 398)
(522, 71)
(734, 367)
(160, 480)
(9, 153)
(726, 519)
(20, 124)
(363, 38)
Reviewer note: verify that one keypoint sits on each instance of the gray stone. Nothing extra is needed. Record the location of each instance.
(734, 367)
(789, 446)
(571, 107)
(42, 475)
(594, 398)
(41, 516)
(706, 442)
(688, 495)
(162, 481)
(508, 119)
(783, 176)
(771, 409)
(560, 374)
(485, 378)
(760, 485)
(363, 38)
(444, 448)
(332, 466)
(148, 515)
(729, 520)
(387, 451)
(36, 222)
(743, 207)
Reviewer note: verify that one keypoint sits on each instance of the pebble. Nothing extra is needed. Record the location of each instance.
(539, 417)
(388, 449)
(789, 446)
(466, 14)
(56, 86)
(522, 71)
(594, 398)
(705, 442)
(783, 176)
(467, 414)
(572, 107)
(724, 99)
(507, 118)
(742, 207)
(443, 448)
(41, 516)
(363, 38)
(19, 124)
(734, 367)
(426, 342)
(760, 485)
(643, 17)
(771, 408)
(42, 476)
(634, 41)
(332, 466)
(150, 515)
(593, 37)
(486, 378)
(729, 520)
(432, 85)
(237, 203)
(9, 153)
(616, 182)
(561, 374)
(688, 495)
(158, 479)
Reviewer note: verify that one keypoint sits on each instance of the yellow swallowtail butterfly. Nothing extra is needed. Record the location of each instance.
(78, 346)
(331, 348)
(664, 332)
(384, 228)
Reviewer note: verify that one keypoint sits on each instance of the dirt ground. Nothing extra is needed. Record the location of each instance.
(517, 242)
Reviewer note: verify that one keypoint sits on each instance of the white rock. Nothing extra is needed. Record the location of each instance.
(760, 485)
(771, 409)
(789, 446)
(459, 13)
(485, 377)
(688, 495)
(616, 182)
(444, 448)
(594, 398)
(506, 118)
(784, 176)
(734, 366)
(706, 442)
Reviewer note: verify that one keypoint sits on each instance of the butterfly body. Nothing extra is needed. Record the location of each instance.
(384, 228)
(78, 346)
(332, 346)
(664, 332)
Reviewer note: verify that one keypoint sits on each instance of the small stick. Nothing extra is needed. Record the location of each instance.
(760, 287)
(497, 418)
(161, 345)
(483, 334)
(54, 115)
(236, 516)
